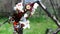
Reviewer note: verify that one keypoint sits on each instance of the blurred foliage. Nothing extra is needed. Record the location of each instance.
(38, 26)
(39, 21)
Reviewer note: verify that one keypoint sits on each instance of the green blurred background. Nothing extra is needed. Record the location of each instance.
(39, 22)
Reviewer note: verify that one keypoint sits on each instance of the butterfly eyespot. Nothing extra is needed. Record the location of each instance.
(28, 7)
